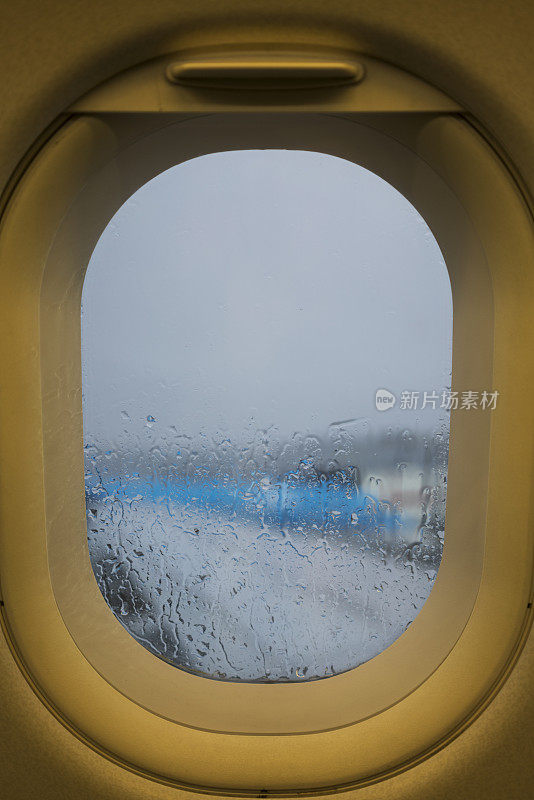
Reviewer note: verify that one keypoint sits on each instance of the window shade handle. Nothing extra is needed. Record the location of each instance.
(264, 72)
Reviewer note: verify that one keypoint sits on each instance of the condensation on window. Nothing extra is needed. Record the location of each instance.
(251, 514)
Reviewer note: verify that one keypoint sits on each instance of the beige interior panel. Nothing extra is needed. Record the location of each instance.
(492, 757)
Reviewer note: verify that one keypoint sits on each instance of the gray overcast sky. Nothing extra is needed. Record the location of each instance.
(262, 288)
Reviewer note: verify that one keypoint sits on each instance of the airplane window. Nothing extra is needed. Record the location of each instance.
(266, 354)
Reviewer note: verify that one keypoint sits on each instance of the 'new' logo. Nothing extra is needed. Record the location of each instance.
(384, 400)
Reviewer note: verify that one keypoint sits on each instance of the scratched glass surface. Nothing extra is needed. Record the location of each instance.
(251, 515)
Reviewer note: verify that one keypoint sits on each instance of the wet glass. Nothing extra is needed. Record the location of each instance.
(266, 354)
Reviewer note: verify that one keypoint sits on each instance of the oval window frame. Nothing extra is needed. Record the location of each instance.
(117, 696)
(92, 317)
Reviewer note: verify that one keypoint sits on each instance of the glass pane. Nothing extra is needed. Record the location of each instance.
(251, 514)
